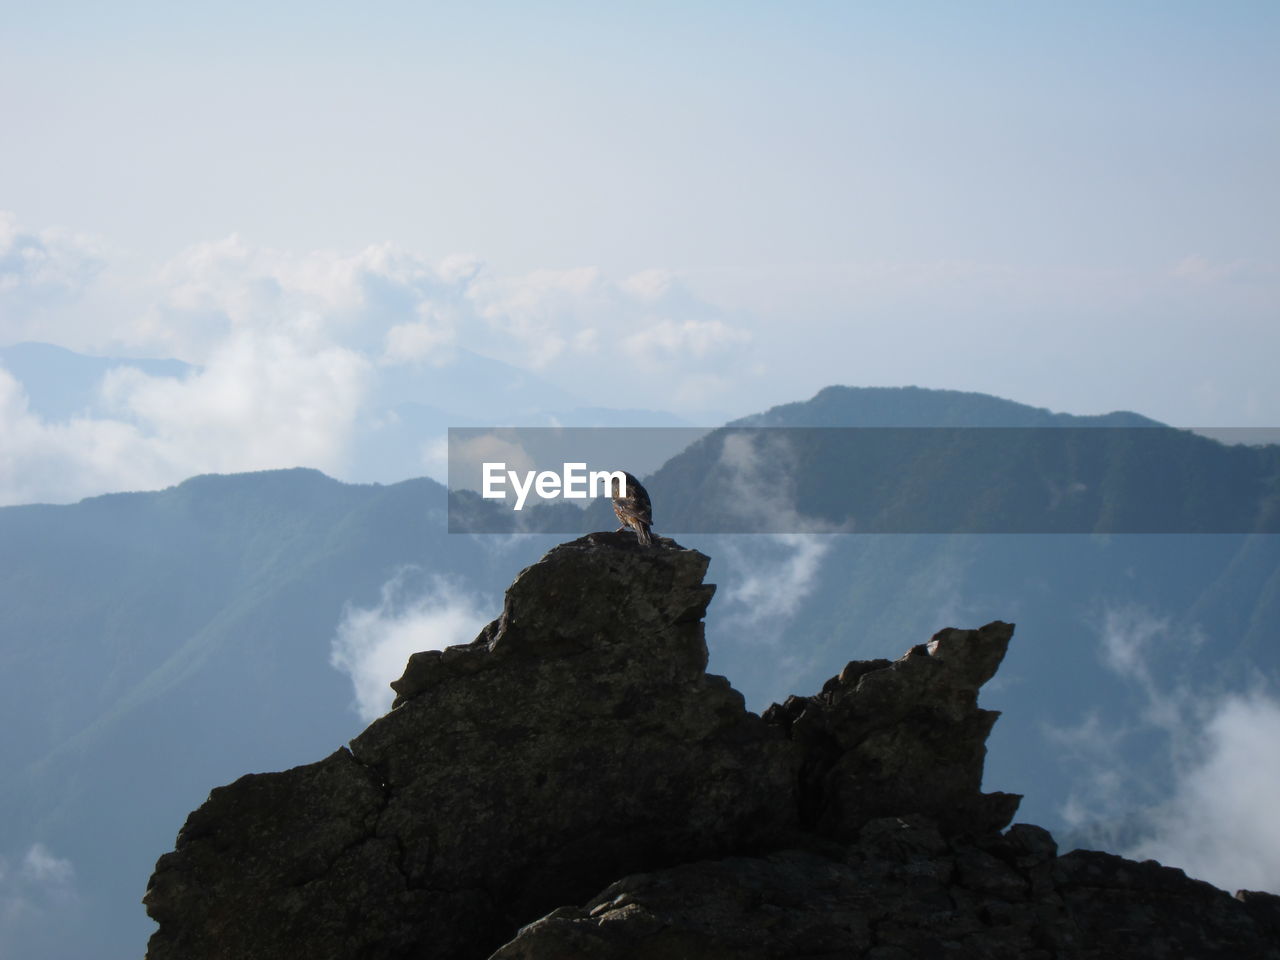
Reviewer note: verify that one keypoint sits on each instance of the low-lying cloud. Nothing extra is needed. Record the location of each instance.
(1219, 823)
(372, 644)
(770, 579)
(1215, 817)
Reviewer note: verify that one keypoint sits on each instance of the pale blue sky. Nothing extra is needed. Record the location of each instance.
(732, 135)
(1068, 204)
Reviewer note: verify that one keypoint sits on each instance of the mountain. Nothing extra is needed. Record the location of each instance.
(917, 407)
(905, 460)
(156, 644)
(573, 784)
(915, 461)
(1145, 635)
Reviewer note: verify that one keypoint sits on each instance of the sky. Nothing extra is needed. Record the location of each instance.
(705, 208)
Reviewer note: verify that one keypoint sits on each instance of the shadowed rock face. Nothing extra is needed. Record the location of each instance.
(901, 738)
(578, 740)
(902, 891)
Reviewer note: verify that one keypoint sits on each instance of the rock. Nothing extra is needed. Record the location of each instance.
(1264, 908)
(791, 904)
(576, 763)
(1148, 910)
(903, 891)
(900, 738)
(576, 740)
(1030, 843)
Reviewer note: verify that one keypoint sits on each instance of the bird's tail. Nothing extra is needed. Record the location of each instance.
(642, 534)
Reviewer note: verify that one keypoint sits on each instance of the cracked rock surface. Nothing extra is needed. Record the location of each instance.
(576, 763)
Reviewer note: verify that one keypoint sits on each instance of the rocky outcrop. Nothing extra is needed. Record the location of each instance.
(902, 891)
(575, 763)
(899, 738)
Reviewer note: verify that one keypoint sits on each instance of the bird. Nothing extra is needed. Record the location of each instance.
(634, 510)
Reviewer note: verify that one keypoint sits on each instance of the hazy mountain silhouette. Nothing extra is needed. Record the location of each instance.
(155, 644)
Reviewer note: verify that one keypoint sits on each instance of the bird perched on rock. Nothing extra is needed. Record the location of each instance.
(634, 510)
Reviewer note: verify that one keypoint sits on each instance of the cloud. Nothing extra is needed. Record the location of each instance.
(1210, 813)
(261, 402)
(1108, 788)
(318, 298)
(291, 351)
(43, 869)
(46, 278)
(41, 267)
(424, 339)
(37, 894)
(768, 577)
(764, 582)
(372, 644)
(1104, 789)
(769, 581)
(395, 305)
(613, 337)
(665, 340)
(57, 462)
(756, 473)
(1219, 823)
(650, 285)
(546, 314)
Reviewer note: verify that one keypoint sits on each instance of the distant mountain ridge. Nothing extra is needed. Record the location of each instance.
(150, 639)
(908, 460)
(839, 406)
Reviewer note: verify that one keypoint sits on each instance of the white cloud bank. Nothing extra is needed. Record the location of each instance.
(372, 644)
(260, 402)
(291, 349)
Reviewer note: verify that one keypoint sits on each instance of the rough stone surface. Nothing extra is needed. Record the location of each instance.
(901, 737)
(578, 740)
(902, 891)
